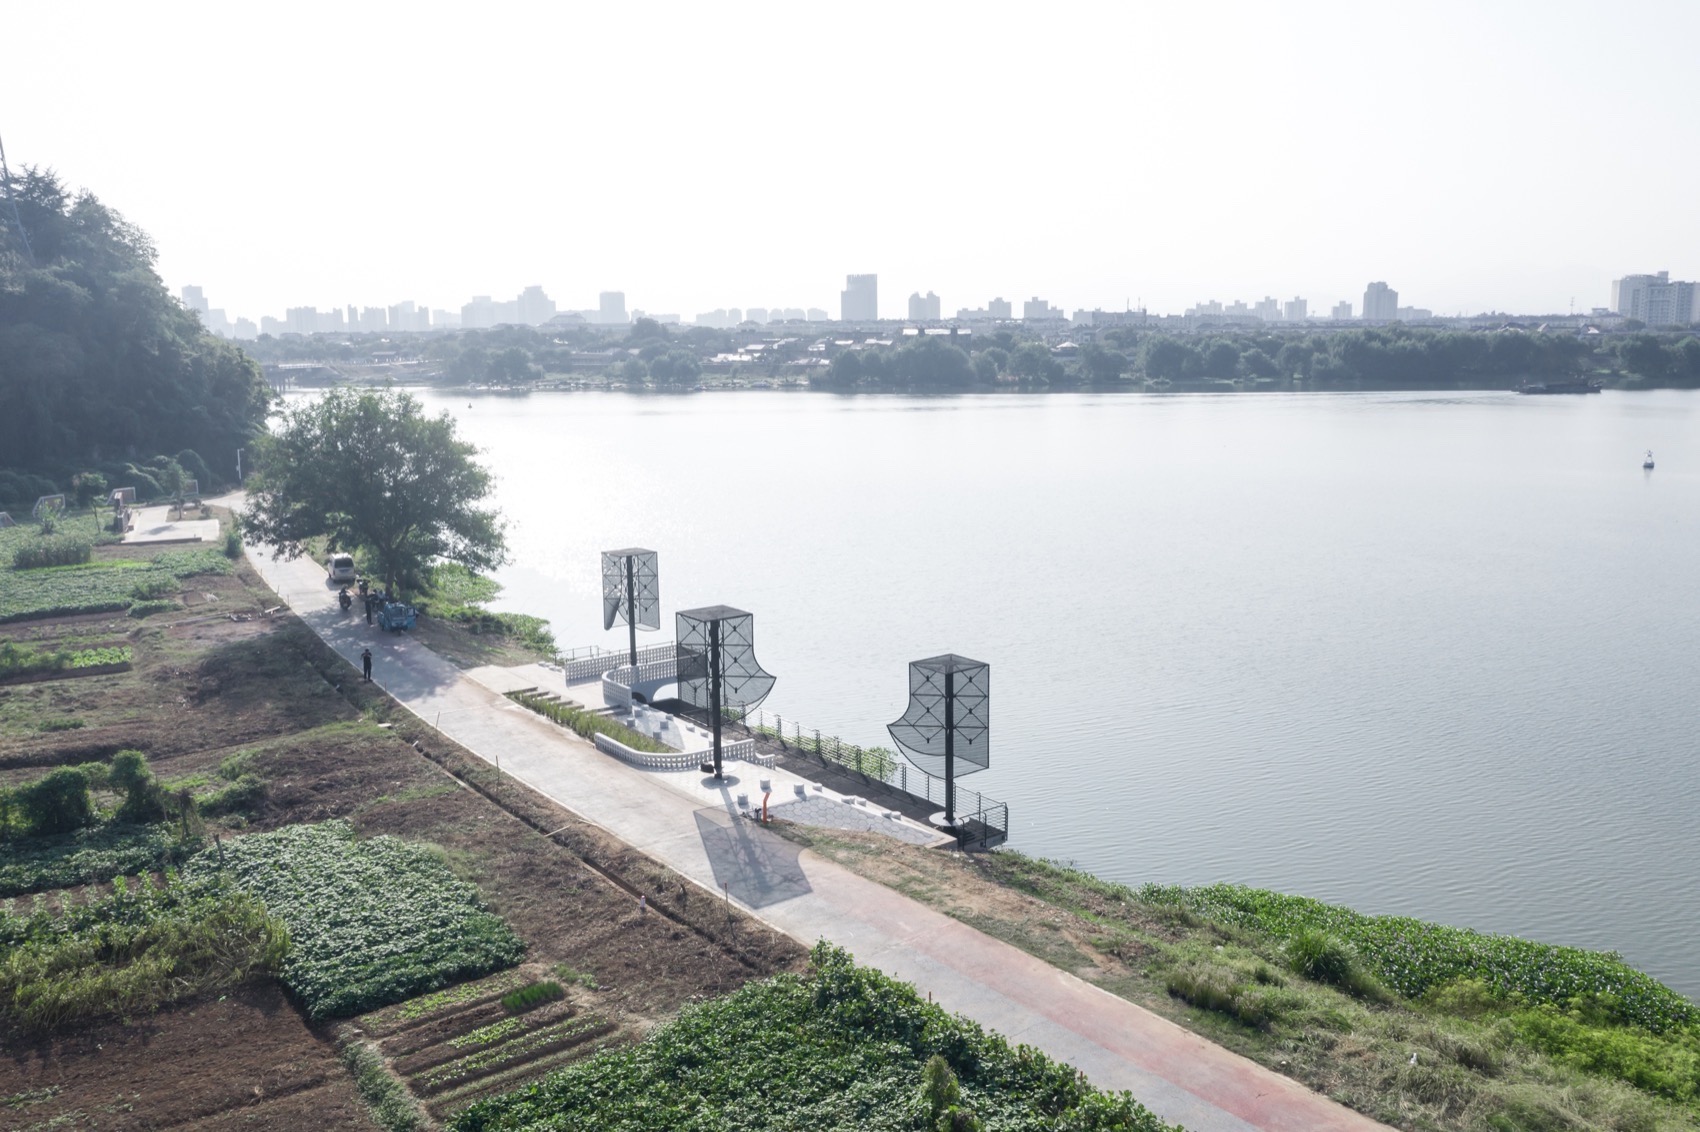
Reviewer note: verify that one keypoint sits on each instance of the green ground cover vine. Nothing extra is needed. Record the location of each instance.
(373, 921)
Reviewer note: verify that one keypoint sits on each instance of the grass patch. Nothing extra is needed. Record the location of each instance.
(1414, 957)
(457, 595)
(132, 952)
(53, 550)
(850, 1045)
(588, 723)
(570, 976)
(534, 995)
(373, 921)
(1462, 1057)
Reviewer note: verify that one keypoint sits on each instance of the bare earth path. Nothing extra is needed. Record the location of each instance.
(690, 825)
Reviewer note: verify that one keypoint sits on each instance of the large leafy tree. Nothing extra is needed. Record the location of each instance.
(98, 363)
(372, 472)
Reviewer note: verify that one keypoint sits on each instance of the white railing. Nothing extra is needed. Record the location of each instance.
(579, 669)
(742, 750)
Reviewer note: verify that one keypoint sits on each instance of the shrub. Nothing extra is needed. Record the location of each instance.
(1317, 955)
(155, 587)
(57, 803)
(588, 723)
(244, 793)
(233, 544)
(144, 799)
(60, 550)
(157, 605)
(59, 725)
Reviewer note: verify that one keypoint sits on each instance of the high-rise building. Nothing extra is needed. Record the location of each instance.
(1297, 310)
(859, 301)
(194, 299)
(246, 330)
(1269, 310)
(611, 309)
(1381, 303)
(536, 308)
(1656, 300)
(1342, 310)
(374, 319)
(1037, 309)
(1000, 310)
(923, 308)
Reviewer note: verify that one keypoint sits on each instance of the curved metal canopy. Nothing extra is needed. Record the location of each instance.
(949, 707)
(644, 592)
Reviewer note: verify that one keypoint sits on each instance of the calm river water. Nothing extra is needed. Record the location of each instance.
(1428, 654)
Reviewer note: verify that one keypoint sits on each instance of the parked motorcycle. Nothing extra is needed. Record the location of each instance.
(344, 599)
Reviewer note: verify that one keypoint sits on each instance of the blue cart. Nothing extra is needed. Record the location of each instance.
(397, 615)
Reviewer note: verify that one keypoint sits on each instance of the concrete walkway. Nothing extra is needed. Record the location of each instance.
(692, 825)
(155, 524)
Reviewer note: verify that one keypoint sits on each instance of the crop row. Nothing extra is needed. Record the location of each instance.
(841, 1046)
(373, 922)
(495, 1057)
(1414, 956)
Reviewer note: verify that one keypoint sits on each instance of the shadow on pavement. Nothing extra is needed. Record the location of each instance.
(754, 865)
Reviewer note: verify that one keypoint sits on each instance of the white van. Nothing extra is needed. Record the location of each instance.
(341, 569)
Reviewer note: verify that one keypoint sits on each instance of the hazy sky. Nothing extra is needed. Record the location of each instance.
(1474, 155)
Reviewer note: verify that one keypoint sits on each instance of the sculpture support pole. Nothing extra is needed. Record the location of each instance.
(714, 689)
(950, 748)
(631, 607)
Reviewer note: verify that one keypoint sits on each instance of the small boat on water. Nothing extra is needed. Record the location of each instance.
(1578, 385)
(1647, 464)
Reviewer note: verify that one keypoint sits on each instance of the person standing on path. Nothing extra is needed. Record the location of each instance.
(366, 665)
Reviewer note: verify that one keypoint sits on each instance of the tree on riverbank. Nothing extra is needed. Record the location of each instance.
(369, 471)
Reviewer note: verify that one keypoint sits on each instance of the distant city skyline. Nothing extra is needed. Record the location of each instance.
(1654, 299)
(1458, 181)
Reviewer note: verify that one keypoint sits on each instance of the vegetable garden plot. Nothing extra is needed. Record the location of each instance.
(372, 922)
(841, 1047)
(101, 587)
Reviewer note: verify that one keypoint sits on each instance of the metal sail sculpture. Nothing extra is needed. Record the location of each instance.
(717, 666)
(631, 591)
(946, 730)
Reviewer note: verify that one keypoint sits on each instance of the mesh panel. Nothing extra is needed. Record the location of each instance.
(743, 683)
(939, 685)
(646, 588)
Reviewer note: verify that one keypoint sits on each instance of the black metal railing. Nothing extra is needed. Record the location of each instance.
(982, 822)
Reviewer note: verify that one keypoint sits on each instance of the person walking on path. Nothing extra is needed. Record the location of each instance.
(366, 665)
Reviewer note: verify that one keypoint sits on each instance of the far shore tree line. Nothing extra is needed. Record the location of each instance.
(656, 356)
